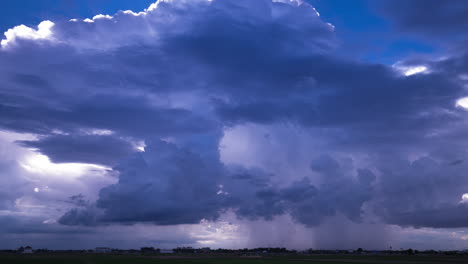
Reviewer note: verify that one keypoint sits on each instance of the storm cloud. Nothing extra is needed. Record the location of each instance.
(151, 97)
(428, 18)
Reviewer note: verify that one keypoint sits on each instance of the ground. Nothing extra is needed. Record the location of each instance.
(323, 259)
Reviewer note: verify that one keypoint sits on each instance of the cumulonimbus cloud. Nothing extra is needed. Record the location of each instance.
(177, 75)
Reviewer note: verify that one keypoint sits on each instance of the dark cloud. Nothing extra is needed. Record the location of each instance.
(108, 88)
(94, 149)
(411, 191)
(177, 76)
(430, 18)
(307, 204)
(370, 103)
(76, 216)
(17, 225)
(164, 185)
(129, 116)
(446, 217)
(78, 200)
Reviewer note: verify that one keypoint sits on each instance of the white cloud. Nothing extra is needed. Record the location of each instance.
(98, 132)
(144, 27)
(409, 70)
(462, 102)
(295, 2)
(43, 31)
(41, 165)
(464, 198)
(415, 70)
(101, 16)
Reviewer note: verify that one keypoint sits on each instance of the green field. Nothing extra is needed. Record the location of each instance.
(324, 259)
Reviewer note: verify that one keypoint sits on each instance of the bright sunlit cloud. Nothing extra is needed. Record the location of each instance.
(98, 132)
(415, 70)
(464, 198)
(410, 70)
(462, 102)
(44, 31)
(41, 164)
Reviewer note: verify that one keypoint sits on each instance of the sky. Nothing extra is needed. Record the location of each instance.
(323, 124)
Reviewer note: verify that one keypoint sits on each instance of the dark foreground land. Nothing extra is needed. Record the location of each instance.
(326, 259)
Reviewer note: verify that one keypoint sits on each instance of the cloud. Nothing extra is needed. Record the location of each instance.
(428, 18)
(11, 184)
(13, 179)
(423, 193)
(43, 32)
(18, 225)
(169, 185)
(164, 185)
(367, 143)
(448, 217)
(93, 149)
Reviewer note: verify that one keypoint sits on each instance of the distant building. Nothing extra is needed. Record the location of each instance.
(166, 251)
(103, 250)
(27, 250)
(204, 250)
(149, 250)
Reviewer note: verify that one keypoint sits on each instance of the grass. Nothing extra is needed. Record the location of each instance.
(320, 259)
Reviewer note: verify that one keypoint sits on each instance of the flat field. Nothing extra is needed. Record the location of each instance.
(322, 259)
